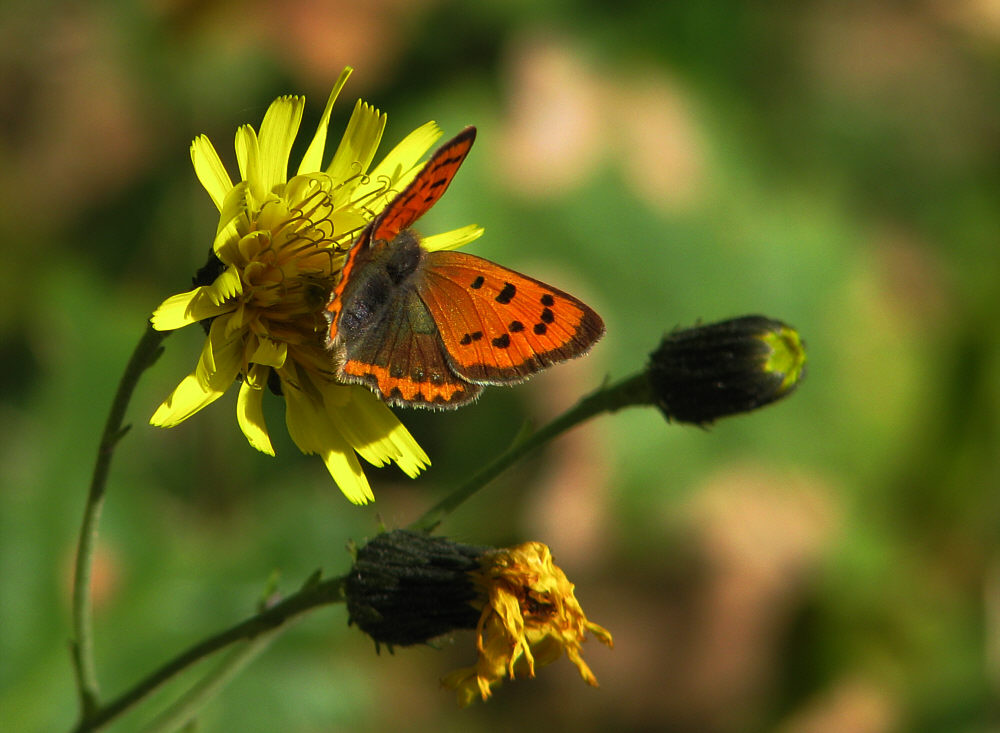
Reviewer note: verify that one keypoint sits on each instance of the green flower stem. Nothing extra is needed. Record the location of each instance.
(258, 630)
(145, 354)
(184, 710)
(634, 390)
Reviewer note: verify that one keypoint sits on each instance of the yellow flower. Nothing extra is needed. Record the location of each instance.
(530, 618)
(277, 254)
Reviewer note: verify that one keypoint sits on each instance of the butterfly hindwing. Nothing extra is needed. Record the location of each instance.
(402, 358)
(497, 325)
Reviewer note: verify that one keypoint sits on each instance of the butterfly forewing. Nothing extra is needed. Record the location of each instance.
(499, 326)
(425, 190)
(412, 203)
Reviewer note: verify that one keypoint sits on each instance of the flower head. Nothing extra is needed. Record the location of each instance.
(529, 617)
(703, 373)
(277, 254)
(408, 587)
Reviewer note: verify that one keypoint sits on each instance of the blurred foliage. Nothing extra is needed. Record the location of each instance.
(830, 563)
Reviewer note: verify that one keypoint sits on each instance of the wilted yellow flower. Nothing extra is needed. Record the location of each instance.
(409, 587)
(530, 617)
(277, 254)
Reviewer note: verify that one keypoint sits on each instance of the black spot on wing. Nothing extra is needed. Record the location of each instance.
(477, 283)
(547, 316)
(507, 294)
(502, 342)
(515, 327)
(548, 300)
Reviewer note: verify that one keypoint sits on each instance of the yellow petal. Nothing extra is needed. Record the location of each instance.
(399, 167)
(210, 170)
(227, 285)
(348, 474)
(277, 133)
(232, 218)
(184, 309)
(454, 239)
(221, 356)
(348, 223)
(270, 353)
(372, 429)
(248, 157)
(250, 410)
(312, 431)
(358, 145)
(189, 397)
(313, 159)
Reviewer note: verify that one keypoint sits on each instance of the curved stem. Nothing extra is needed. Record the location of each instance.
(184, 710)
(634, 390)
(256, 628)
(146, 352)
(259, 630)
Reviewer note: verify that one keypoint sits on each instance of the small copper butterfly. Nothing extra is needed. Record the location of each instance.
(429, 329)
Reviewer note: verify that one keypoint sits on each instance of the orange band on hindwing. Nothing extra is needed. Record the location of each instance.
(405, 390)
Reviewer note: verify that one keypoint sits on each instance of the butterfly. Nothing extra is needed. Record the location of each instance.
(429, 329)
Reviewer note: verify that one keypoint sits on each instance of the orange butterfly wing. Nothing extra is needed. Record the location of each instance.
(499, 326)
(428, 328)
(402, 358)
(425, 190)
(414, 201)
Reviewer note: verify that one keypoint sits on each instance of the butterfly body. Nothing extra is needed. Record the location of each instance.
(429, 329)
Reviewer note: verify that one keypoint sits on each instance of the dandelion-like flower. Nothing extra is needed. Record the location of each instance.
(277, 254)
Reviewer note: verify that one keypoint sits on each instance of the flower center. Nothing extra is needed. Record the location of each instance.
(291, 257)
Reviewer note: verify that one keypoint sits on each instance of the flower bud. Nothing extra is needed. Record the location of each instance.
(703, 373)
(409, 587)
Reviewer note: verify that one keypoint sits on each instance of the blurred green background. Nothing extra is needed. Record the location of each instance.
(827, 564)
